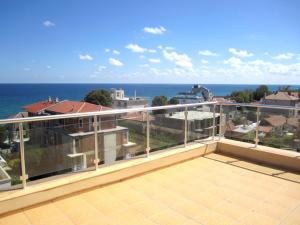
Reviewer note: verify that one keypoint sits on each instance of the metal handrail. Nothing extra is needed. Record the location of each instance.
(260, 106)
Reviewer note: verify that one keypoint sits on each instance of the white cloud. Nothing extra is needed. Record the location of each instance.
(106, 50)
(48, 23)
(240, 53)
(284, 56)
(142, 56)
(116, 52)
(204, 61)
(115, 62)
(155, 30)
(48, 67)
(144, 65)
(152, 51)
(233, 61)
(207, 53)
(257, 62)
(27, 69)
(85, 57)
(136, 48)
(181, 60)
(154, 60)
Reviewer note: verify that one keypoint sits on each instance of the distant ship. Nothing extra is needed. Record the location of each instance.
(198, 93)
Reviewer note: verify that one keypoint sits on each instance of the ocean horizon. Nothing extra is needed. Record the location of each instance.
(14, 96)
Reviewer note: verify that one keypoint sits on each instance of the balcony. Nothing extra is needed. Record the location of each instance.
(206, 174)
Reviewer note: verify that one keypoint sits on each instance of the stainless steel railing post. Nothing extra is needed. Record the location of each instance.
(185, 126)
(220, 121)
(23, 176)
(257, 124)
(95, 124)
(214, 122)
(148, 133)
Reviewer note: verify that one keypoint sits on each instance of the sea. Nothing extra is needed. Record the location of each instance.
(14, 96)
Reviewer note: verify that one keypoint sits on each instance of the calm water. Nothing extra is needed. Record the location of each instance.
(14, 96)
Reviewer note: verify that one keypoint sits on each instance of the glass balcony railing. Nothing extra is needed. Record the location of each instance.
(39, 147)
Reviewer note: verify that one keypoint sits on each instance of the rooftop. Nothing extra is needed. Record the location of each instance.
(281, 96)
(64, 107)
(250, 194)
(193, 115)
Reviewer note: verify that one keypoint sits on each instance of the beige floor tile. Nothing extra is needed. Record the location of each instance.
(103, 202)
(214, 218)
(232, 210)
(78, 210)
(282, 200)
(292, 218)
(191, 210)
(46, 214)
(256, 218)
(274, 211)
(169, 217)
(15, 219)
(243, 200)
(149, 207)
(290, 176)
(128, 216)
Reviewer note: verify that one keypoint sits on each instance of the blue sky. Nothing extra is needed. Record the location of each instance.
(189, 41)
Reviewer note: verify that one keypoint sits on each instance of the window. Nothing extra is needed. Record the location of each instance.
(80, 123)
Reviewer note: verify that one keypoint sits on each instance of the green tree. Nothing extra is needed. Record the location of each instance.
(245, 96)
(173, 101)
(159, 101)
(260, 92)
(99, 97)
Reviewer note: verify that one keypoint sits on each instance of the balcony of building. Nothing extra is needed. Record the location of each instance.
(211, 174)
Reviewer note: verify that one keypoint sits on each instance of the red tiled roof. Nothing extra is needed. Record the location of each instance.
(67, 106)
(281, 96)
(265, 129)
(276, 120)
(38, 106)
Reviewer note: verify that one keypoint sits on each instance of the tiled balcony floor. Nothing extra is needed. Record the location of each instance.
(206, 190)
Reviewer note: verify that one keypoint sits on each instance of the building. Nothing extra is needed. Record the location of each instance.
(68, 144)
(120, 101)
(281, 99)
(200, 123)
(196, 95)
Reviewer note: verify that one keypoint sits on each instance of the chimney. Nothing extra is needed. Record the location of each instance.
(49, 99)
(56, 99)
(134, 94)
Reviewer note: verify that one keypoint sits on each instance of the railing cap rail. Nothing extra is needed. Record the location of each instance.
(100, 113)
(141, 109)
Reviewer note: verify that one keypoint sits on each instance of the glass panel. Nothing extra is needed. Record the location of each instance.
(280, 128)
(201, 122)
(121, 137)
(59, 146)
(166, 128)
(10, 163)
(240, 123)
